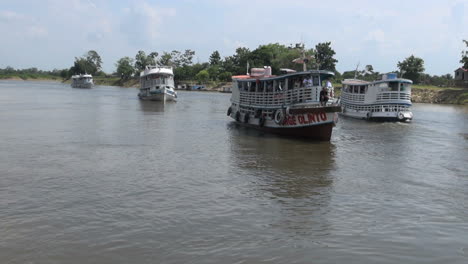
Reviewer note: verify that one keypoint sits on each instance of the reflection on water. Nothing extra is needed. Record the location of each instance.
(295, 173)
(97, 176)
(152, 106)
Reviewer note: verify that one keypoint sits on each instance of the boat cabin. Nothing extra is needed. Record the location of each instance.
(300, 87)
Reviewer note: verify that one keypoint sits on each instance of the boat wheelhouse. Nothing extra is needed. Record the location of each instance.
(157, 84)
(387, 99)
(287, 104)
(82, 81)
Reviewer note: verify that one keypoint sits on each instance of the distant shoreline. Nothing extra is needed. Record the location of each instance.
(420, 94)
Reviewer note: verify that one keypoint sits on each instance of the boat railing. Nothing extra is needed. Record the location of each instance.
(350, 97)
(393, 96)
(279, 98)
(382, 97)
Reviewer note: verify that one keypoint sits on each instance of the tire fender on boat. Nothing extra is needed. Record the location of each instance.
(229, 111)
(237, 116)
(368, 116)
(401, 116)
(279, 116)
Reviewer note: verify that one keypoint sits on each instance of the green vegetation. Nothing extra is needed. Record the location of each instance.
(31, 73)
(90, 63)
(464, 53)
(411, 68)
(125, 69)
(218, 70)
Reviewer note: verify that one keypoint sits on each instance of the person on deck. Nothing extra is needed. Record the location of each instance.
(329, 88)
(324, 96)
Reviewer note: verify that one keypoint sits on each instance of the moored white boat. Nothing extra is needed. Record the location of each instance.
(387, 99)
(82, 81)
(287, 104)
(157, 84)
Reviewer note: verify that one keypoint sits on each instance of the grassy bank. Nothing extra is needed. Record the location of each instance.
(438, 95)
(30, 77)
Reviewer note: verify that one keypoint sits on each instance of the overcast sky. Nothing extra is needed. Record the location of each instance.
(49, 34)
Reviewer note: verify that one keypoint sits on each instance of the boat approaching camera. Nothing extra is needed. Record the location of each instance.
(287, 104)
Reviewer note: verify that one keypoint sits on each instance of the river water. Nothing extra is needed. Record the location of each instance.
(97, 176)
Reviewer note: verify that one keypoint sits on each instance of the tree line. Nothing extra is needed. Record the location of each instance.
(222, 69)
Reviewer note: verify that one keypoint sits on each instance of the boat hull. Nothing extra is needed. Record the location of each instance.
(311, 123)
(82, 85)
(320, 132)
(401, 116)
(161, 97)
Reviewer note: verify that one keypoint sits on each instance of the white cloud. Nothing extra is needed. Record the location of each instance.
(142, 22)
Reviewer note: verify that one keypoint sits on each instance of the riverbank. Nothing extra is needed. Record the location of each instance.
(432, 94)
(438, 95)
(420, 93)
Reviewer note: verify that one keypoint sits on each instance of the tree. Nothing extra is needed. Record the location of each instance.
(93, 58)
(125, 68)
(202, 76)
(166, 59)
(225, 76)
(411, 68)
(215, 58)
(464, 58)
(324, 56)
(141, 60)
(214, 71)
(90, 63)
(82, 65)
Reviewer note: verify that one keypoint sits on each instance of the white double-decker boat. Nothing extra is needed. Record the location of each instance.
(82, 81)
(387, 99)
(157, 84)
(287, 104)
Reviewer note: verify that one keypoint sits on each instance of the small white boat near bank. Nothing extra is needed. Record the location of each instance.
(82, 81)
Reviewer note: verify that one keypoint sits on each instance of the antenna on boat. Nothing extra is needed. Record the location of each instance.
(303, 59)
(355, 72)
(247, 69)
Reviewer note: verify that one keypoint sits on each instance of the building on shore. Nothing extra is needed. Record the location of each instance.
(461, 77)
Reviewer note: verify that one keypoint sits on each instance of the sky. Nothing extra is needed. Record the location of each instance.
(49, 34)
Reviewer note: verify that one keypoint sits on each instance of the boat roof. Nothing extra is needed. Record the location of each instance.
(81, 75)
(275, 77)
(354, 82)
(157, 70)
(363, 82)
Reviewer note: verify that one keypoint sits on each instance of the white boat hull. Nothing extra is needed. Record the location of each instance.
(378, 116)
(162, 96)
(82, 85)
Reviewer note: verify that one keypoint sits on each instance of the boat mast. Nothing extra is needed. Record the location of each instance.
(355, 72)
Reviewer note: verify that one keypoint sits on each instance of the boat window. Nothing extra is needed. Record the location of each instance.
(253, 86)
(269, 86)
(290, 82)
(402, 87)
(383, 85)
(393, 86)
(362, 89)
(279, 85)
(261, 85)
(316, 81)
